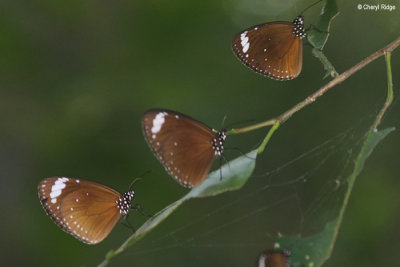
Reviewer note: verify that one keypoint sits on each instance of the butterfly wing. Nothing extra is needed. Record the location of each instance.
(181, 144)
(271, 49)
(84, 209)
(273, 259)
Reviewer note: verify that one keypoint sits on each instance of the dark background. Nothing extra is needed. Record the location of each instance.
(76, 77)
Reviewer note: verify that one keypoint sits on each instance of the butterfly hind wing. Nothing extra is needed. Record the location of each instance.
(270, 49)
(181, 144)
(94, 214)
(192, 163)
(285, 52)
(86, 210)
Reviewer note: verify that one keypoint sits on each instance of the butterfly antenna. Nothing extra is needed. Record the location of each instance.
(138, 179)
(223, 121)
(133, 182)
(310, 6)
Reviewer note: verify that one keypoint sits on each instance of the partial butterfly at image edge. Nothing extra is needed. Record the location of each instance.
(184, 146)
(86, 210)
(273, 258)
(272, 49)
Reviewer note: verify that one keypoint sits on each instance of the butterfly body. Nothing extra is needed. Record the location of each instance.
(185, 147)
(84, 209)
(272, 49)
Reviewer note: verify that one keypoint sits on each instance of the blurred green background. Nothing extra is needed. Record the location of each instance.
(76, 77)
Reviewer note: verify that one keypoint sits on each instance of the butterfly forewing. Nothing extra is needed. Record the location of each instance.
(273, 49)
(181, 144)
(86, 210)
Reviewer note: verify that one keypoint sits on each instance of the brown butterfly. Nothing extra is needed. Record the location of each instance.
(185, 147)
(84, 209)
(272, 49)
(272, 258)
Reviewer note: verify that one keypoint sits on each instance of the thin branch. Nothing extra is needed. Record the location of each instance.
(253, 127)
(311, 98)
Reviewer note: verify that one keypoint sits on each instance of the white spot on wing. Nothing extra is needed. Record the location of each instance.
(55, 194)
(246, 47)
(57, 188)
(244, 42)
(158, 122)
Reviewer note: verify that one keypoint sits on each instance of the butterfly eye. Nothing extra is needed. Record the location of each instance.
(185, 147)
(84, 209)
(273, 49)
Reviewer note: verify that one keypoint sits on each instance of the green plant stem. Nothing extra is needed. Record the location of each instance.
(369, 141)
(358, 167)
(389, 97)
(267, 137)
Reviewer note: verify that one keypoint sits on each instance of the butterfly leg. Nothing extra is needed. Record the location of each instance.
(139, 209)
(220, 167)
(127, 224)
(222, 158)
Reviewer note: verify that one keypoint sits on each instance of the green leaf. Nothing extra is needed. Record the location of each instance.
(330, 69)
(316, 249)
(320, 33)
(318, 36)
(231, 176)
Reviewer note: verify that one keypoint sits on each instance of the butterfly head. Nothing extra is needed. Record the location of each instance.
(222, 134)
(298, 29)
(124, 202)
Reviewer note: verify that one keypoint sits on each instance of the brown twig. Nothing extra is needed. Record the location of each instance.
(311, 98)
